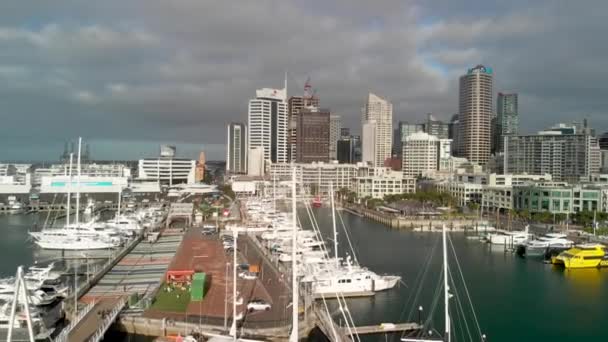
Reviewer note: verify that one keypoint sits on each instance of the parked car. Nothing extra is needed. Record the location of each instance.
(208, 231)
(248, 275)
(258, 305)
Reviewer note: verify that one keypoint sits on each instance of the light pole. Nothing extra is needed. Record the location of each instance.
(226, 298)
(75, 290)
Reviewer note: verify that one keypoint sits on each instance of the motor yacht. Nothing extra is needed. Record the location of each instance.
(513, 238)
(74, 243)
(590, 255)
(546, 243)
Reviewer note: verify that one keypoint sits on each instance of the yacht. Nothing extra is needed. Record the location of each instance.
(546, 243)
(589, 255)
(349, 280)
(19, 326)
(14, 206)
(509, 237)
(74, 243)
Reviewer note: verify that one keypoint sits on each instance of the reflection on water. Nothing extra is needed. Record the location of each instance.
(586, 281)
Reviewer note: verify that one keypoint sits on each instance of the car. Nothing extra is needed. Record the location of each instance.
(258, 305)
(248, 275)
(209, 226)
(208, 232)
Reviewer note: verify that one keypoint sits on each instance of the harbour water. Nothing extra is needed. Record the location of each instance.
(15, 249)
(515, 299)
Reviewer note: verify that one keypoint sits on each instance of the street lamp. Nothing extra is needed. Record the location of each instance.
(226, 298)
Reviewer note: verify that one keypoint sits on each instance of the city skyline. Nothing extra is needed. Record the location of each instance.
(124, 78)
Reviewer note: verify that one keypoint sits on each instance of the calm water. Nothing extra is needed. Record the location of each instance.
(15, 249)
(515, 299)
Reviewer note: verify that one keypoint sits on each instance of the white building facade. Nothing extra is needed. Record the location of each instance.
(420, 154)
(380, 111)
(167, 171)
(388, 183)
(319, 176)
(335, 125)
(268, 124)
(368, 142)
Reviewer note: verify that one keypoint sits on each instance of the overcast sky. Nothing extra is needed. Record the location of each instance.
(129, 75)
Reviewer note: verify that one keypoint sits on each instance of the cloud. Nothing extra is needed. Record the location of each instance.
(179, 71)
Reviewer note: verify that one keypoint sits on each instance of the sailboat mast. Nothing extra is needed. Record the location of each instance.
(67, 214)
(119, 201)
(446, 288)
(78, 184)
(294, 272)
(333, 220)
(234, 252)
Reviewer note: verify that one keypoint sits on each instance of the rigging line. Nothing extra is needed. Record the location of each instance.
(465, 286)
(420, 279)
(348, 238)
(339, 296)
(436, 297)
(460, 306)
(333, 328)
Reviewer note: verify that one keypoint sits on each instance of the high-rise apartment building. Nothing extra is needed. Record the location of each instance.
(236, 148)
(335, 125)
(420, 153)
(507, 119)
(404, 130)
(268, 124)
(475, 114)
(312, 137)
(436, 127)
(346, 150)
(380, 111)
(295, 105)
(558, 151)
(344, 132)
(368, 142)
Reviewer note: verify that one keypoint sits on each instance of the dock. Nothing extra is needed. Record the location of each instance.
(382, 328)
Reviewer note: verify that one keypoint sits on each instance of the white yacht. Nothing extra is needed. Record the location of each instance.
(509, 237)
(540, 246)
(349, 280)
(74, 243)
(14, 206)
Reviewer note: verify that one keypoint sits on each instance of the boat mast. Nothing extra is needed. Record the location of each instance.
(333, 220)
(446, 293)
(20, 290)
(78, 184)
(119, 201)
(293, 337)
(67, 214)
(235, 234)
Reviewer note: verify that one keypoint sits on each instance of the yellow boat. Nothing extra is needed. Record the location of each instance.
(583, 256)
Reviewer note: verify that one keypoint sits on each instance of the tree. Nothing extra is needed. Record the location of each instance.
(227, 190)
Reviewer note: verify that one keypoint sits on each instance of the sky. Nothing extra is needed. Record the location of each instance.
(130, 75)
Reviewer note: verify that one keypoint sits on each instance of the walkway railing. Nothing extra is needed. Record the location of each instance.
(107, 321)
(63, 336)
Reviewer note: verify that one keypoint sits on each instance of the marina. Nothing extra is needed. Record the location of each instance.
(127, 284)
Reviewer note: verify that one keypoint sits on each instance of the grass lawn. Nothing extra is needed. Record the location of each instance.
(175, 301)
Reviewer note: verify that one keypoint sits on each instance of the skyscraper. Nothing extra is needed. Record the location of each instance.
(267, 124)
(346, 150)
(380, 111)
(368, 142)
(436, 127)
(475, 114)
(507, 119)
(420, 154)
(560, 151)
(295, 105)
(404, 129)
(236, 148)
(454, 134)
(335, 125)
(312, 138)
(344, 132)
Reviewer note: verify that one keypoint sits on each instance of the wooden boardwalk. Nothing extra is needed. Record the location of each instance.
(382, 328)
(89, 324)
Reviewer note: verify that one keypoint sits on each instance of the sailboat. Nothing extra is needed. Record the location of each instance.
(447, 295)
(76, 236)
